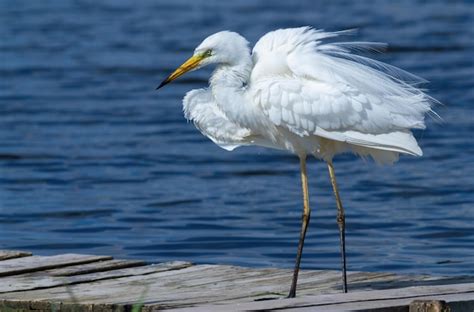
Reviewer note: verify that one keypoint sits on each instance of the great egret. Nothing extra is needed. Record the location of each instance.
(294, 92)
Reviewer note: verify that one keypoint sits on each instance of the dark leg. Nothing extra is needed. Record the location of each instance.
(341, 222)
(304, 225)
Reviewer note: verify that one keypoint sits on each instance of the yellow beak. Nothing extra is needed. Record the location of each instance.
(190, 64)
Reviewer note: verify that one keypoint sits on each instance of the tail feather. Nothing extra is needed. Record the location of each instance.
(397, 141)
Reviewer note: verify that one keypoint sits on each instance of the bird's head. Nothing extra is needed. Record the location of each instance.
(224, 47)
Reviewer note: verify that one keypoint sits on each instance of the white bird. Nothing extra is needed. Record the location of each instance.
(296, 92)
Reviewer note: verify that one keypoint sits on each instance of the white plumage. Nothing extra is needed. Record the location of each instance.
(209, 119)
(297, 93)
(294, 92)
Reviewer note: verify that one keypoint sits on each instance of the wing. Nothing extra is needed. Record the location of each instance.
(200, 108)
(320, 89)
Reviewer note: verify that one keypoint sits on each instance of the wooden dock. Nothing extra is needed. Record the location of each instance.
(74, 282)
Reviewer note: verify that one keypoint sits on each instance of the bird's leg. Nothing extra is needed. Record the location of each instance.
(341, 222)
(304, 225)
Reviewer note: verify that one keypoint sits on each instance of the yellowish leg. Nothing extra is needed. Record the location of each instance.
(304, 225)
(341, 222)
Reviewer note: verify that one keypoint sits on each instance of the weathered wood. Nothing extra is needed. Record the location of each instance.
(11, 254)
(460, 294)
(93, 267)
(45, 306)
(94, 283)
(38, 263)
(46, 280)
(122, 290)
(198, 285)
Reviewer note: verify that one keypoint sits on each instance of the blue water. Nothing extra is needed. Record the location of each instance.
(94, 160)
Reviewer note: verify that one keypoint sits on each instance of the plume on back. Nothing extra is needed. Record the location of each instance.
(324, 89)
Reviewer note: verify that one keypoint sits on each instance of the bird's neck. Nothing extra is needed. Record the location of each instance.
(232, 75)
(228, 84)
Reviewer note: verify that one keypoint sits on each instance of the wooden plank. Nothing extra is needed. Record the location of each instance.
(460, 294)
(104, 285)
(139, 288)
(38, 263)
(116, 290)
(121, 290)
(43, 280)
(198, 285)
(457, 303)
(237, 288)
(269, 285)
(11, 254)
(93, 267)
(101, 284)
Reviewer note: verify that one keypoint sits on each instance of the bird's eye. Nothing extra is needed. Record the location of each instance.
(208, 53)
